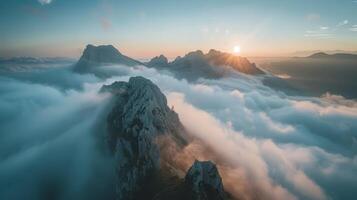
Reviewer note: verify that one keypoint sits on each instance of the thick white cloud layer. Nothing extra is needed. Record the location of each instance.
(270, 145)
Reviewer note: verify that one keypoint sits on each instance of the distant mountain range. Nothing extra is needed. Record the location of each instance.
(214, 64)
(308, 53)
(333, 56)
(318, 73)
(33, 60)
(21, 64)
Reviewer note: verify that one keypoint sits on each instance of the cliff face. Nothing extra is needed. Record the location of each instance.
(139, 117)
(204, 181)
(138, 121)
(96, 56)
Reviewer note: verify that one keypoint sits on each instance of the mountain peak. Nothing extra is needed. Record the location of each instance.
(95, 56)
(101, 54)
(319, 55)
(213, 52)
(139, 118)
(158, 61)
(138, 121)
(197, 53)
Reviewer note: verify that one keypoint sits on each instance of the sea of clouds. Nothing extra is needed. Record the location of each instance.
(270, 145)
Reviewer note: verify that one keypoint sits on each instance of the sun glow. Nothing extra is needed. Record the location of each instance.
(236, 49)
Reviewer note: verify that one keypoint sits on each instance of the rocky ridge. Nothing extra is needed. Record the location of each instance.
(158, 61)
(138, 121)
(139, 116)
(214, 64)
(192, 66)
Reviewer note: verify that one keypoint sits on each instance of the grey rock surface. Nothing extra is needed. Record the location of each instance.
(139, 117)
(205, 182)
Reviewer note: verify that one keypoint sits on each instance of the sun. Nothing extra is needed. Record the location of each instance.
(236, 49)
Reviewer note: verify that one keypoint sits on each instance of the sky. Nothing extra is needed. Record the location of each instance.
(143, 29)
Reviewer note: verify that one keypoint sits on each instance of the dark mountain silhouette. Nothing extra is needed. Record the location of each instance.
(311, 52)
(333, 56)
(158, 61)
(96, 56)
(214, 64)
(319, 55)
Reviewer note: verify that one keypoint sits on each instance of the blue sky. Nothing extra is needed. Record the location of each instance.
(144, 28)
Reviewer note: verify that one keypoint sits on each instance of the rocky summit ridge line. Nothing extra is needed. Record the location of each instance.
(192, 66)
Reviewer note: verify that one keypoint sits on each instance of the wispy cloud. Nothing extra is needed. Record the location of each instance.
(354, 28)
(44, 2)
(319, 34)
(324, 27)
(344, 22)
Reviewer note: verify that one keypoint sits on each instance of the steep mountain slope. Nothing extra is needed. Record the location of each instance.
(143, 135)
(96, 56)
(139, 117)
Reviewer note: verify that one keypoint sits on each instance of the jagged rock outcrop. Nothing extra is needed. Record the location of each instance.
(204, 182)
(158, 61)
(145, 165)
(214, 64)
(96, 56)
(140, 116)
